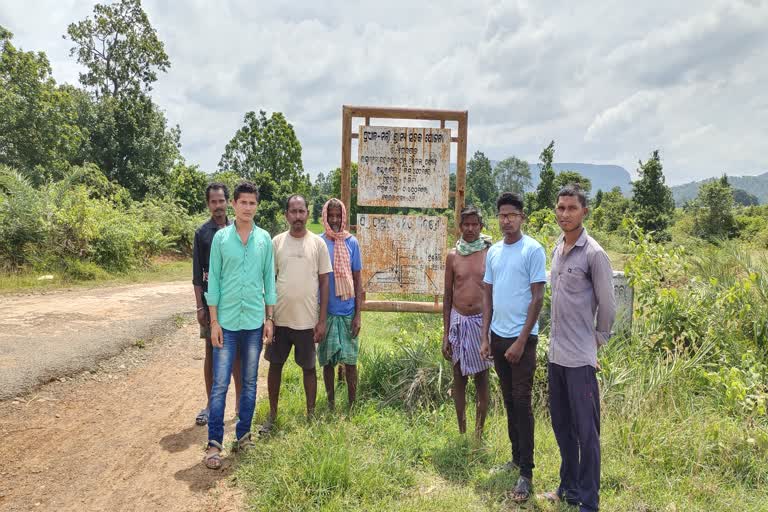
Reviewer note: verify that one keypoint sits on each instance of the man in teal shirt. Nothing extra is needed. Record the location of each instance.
(241, 296)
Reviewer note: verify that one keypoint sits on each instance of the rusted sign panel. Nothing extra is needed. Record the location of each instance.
(402, 253)
(403, 166)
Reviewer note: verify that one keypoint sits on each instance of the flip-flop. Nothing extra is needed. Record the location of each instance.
(202, 417)
(213, 460)
(555, 497)
(266, 428)
(507, 466)
(522, 490)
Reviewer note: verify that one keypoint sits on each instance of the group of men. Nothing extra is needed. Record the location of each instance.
(294, 291)
(299, 289)
(493, 296)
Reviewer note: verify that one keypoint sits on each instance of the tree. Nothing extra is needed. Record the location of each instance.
(267, 152)
(713, 217)
(132, 144)
(119, 48)
(546, 192)
(481, 186)
(188, 184)
(564, 178)
(512, 175)
(39, 132)
(744, 198)
(598, 198)
(321, 191)
(612, 209)
(653, 202)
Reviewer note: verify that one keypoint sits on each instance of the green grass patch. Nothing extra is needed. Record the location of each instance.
(666, 448)
(315, 227)
(165, 270)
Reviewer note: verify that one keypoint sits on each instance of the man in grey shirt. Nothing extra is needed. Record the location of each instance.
(583, 310)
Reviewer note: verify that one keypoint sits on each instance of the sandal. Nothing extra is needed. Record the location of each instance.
(522, 490)
(202, 417)
(245, 443)
(266, 428)
(507, 466)
(213, 460)
(556, 497)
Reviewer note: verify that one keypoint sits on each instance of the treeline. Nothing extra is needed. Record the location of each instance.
(92, 177)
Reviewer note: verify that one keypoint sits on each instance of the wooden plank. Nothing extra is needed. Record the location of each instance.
(461, 169)
(346, 160)
(402, 306)
(406, 113)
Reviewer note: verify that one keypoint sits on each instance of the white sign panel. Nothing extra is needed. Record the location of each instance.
(403, 166)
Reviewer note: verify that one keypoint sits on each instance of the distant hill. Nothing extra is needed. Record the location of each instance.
(755, 185)
(603, 177)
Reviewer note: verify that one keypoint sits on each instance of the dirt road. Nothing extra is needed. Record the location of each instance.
(120, 436)
(44, 336)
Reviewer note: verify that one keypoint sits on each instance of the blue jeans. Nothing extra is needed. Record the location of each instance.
(248, 343)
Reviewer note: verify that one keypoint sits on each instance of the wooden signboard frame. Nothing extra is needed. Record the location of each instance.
(367, 113)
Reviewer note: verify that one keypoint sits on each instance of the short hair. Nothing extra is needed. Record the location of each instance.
(246, 187)
(469, 211)
(216, 185)
(509, 198)
(574, 190)
(295, 196)
(335, 203)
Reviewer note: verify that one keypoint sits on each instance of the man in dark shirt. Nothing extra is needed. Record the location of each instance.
(216, 196)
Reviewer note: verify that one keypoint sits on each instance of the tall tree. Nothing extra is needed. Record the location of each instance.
(546, 191)
(266, 151)
(480, 183)
(713, 218)
(611, 211)
(39, 132)
(512, 175)
(120, 49)
(131, 142)
(564, 178)
(652, 198)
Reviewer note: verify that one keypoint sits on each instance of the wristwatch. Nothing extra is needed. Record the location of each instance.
(270, 318)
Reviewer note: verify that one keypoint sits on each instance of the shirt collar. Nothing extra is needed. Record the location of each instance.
(581, 240)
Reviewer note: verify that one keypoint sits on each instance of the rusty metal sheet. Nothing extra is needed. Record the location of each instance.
(402, 253)
(403, 166)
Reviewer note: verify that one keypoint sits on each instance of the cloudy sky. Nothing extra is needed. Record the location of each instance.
(609, 81)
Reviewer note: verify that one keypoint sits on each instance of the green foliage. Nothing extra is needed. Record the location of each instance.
(131, 143)
(546, 191)
(653, 203)
(611, 210)
(743, 389)
(40, 134)
(119, 48)
(267, 152)
(188, 184)
(512, 175)
(713, 211)
(83, 225)
(744, 198)
(564, 178)
(481, 187)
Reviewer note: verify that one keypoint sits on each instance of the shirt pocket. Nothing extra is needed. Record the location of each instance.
(575, 279)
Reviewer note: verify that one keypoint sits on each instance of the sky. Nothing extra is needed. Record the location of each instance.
(608, 81)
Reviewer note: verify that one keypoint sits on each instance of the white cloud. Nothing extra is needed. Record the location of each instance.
(609, 82)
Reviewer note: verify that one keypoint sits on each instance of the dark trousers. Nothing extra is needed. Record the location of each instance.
(516, 386)
(574, 404)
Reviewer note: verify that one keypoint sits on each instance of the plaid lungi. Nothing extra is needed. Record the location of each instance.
(338, 346)
(464, 337)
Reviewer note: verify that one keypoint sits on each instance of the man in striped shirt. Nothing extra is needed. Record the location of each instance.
(463, 316)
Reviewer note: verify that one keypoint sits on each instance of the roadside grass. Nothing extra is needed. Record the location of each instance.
(163, 269)
(668, 448)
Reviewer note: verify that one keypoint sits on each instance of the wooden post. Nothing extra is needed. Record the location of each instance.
(346, 160)
(461, 169)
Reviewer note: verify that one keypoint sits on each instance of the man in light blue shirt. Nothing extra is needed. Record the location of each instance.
(241, 296)
(515, 275)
